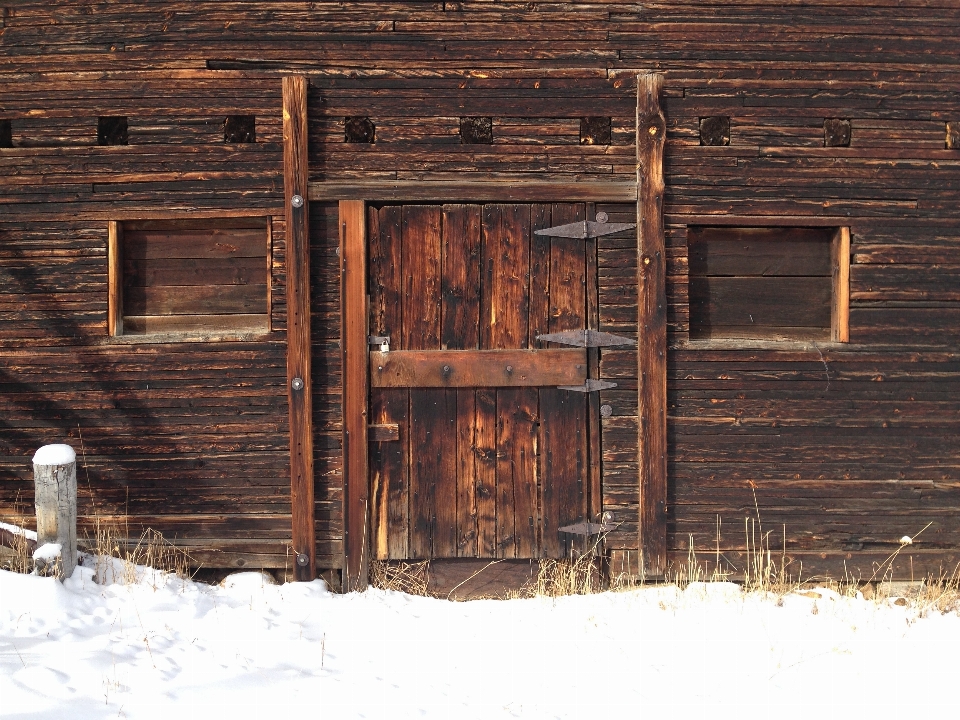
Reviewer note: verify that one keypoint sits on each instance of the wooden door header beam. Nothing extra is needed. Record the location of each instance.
(501, 190)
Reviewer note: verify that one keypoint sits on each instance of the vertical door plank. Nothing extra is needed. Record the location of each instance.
(506, 253)
(299, 393)
(467, 473)
(353, 258)
(460, 320)
(651, 325)
(485, 444)
(421, 278)
(433, 416)
(421, 262)
(389, 472)
(542, 217)
(563, 413)
(461, 278)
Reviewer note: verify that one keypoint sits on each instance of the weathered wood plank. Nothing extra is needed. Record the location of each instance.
(523, 189)
(477, 368)
(390, 499)
(652, 330)
(114, 278)
(353, 259)
(840, 307)
(299, 378)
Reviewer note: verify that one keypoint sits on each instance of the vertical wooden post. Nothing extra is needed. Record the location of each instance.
(55, 481)
(355, 353)
(114, 278)
(652, 325)
(299, 381)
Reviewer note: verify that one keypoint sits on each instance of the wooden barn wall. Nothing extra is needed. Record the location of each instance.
(840, 449)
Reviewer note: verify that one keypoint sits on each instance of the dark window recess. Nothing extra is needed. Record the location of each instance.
(765, 283)
(715, 130)
(595, 131)
(112, 130)
(197, 275)
(953, 135)
(476, 131)
(6, 134)
(359, 130)
(240, 129)
(836, 133)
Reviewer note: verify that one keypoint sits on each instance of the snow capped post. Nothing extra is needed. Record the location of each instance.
(55, 481)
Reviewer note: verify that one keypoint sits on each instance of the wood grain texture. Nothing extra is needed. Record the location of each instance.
(652, 325)
(114, 278)
(840, 307)
(355, 393)
(740, 410)
(298, 325)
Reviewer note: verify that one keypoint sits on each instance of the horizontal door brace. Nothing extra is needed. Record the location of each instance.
(478, 368)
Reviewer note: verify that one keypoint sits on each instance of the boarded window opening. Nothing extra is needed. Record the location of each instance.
(181, 276)
(112, 130)
(476, 130)
(715, 130)
(359, 130)
(240, 129)
(784, 283)
(595, 131)
(6, 134)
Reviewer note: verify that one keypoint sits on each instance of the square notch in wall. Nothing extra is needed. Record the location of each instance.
(189, 276)
(476, 131)
(769, 283)
(112, 130)
(715, 130)
(240, 129)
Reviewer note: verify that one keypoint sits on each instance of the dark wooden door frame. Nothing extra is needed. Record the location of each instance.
(652, 322)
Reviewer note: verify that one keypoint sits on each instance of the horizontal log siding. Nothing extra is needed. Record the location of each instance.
(843, 449)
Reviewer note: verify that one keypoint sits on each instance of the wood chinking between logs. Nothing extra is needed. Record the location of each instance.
(848, 442)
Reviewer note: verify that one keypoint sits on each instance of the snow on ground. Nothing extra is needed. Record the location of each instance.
(250, 649)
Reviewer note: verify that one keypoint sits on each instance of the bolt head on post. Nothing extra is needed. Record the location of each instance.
(297, 201)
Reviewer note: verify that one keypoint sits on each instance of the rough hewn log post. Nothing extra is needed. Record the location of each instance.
(55, 481)
(652, 328)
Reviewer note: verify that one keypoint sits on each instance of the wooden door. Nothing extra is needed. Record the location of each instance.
(491, 470)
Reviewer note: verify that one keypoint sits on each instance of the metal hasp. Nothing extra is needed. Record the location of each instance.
(585, 229)
(589, 385)
(586, 338)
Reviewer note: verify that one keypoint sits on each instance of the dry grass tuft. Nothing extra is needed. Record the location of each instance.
(405, 577)
(115, 561)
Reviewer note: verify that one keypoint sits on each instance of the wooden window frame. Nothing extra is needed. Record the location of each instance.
(840, 293)
(115, 274)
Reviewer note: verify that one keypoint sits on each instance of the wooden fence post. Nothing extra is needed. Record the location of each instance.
(55, 481)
